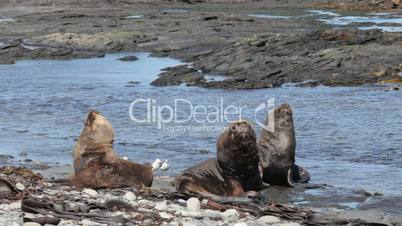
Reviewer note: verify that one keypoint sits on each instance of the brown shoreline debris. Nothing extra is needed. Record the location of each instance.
(22, 172)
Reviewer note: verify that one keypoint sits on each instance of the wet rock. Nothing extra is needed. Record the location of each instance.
(208, 18)
(6, 157)
(178, 75)
(92, 193)
(268, 220)
(131, 82)
(117, 204)
(130, 196)
(395, 88)
(204, 151)
(193, 204)
(129, 58)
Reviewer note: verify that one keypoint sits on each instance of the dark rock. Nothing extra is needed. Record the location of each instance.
(129, 58)
(207, 18)
(133, 82)
(6, 157)
(178, 75)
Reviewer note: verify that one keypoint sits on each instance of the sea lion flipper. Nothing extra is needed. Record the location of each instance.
(297, 175)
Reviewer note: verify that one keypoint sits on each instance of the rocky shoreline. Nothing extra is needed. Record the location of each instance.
(214, 38)
(34, 199)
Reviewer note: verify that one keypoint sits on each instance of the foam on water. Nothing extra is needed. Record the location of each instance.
(346, 20)
(135, 17)
(322, 12)
(269, 16)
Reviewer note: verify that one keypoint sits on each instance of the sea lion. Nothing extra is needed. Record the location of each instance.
(276, 147)
(97, 165)
(233, 173)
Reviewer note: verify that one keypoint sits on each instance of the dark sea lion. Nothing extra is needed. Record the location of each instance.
(97, 165)
(277, 147)
(233, 173)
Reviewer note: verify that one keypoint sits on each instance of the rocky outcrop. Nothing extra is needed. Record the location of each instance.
(178, 75)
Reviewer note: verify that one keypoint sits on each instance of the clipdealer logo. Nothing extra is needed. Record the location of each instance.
(183, 111)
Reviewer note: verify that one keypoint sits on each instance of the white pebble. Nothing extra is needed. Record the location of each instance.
(130, 196)
(90, 192)
(161, 205)
(87, 222)
(173, 223)
(289, 224)
(212, 213)
(31, 224)
(193, 204)
(125, 158)
(165, 215)
(230, 214)
(20, 186)
(189, 224)
(240, 224)
(14, 206)
(185, 213)
(269, 220)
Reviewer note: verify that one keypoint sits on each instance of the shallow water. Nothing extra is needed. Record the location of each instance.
(347, 136)
(388, 22)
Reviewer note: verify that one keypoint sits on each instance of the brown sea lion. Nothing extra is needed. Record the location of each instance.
(276, 146)
(233, 173)
(97, 165)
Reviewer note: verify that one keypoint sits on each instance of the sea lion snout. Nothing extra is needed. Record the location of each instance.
(284, 115)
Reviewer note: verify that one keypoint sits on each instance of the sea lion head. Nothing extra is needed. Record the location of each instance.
(240, 133)
(98, 131)
(237, 142)
(237, 151)
(282, 116)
